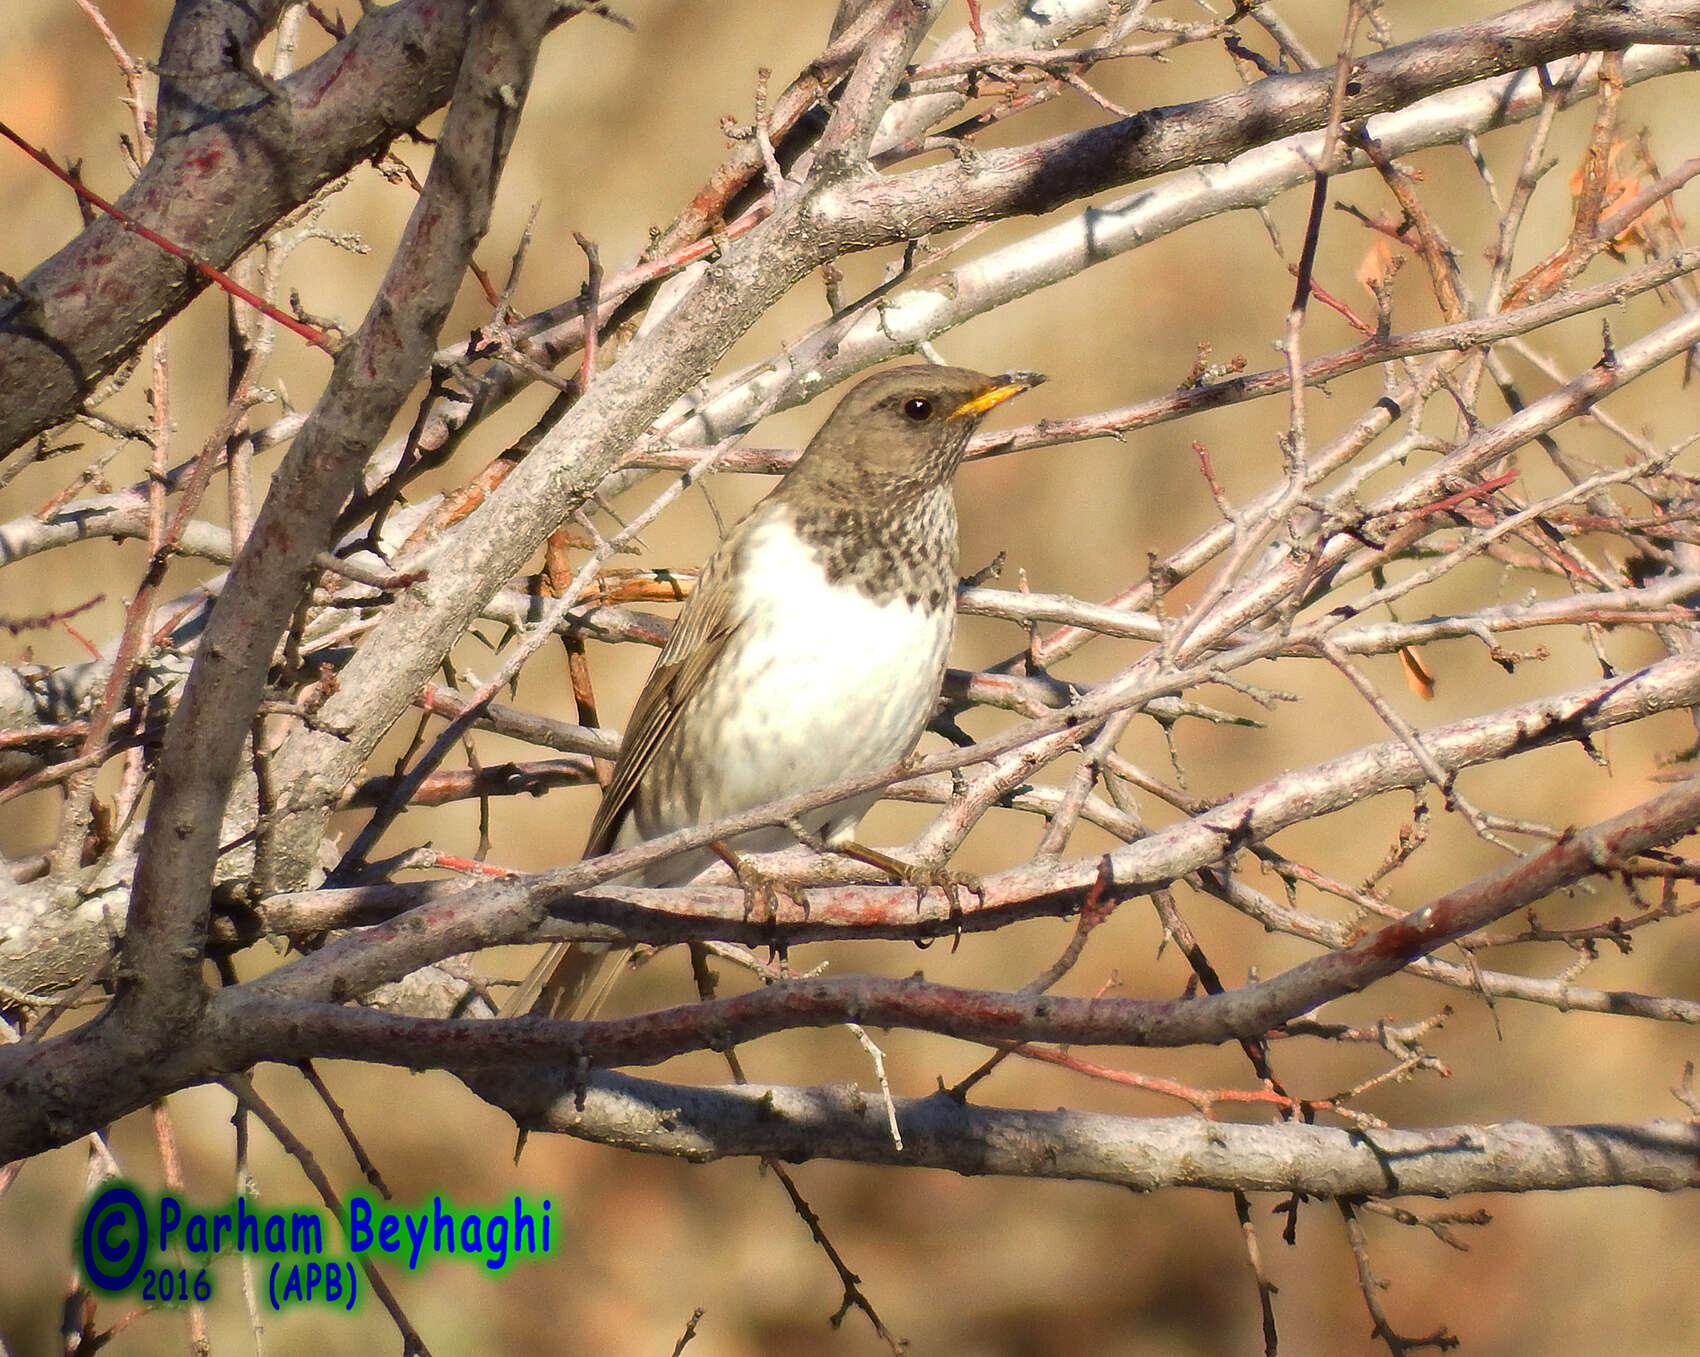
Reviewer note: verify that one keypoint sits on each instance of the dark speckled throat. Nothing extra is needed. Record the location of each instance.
(902, 548)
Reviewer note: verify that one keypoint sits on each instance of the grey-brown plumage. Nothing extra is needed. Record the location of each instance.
(811, 649)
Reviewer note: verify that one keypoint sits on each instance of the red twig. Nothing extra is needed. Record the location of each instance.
(317, 338)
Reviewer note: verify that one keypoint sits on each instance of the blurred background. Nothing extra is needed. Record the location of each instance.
(622, 128)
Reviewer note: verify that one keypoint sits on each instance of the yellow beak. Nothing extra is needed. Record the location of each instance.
(1010, 384)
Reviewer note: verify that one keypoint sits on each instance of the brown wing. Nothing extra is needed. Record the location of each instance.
(706, 623)
(572, 979)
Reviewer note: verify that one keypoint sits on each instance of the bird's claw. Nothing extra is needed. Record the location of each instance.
(924, 877)
(763, 889)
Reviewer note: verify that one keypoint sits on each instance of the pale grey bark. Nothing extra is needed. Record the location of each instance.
(1323, 521)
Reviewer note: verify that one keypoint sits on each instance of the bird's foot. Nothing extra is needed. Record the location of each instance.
(762, 889)
(923, 876)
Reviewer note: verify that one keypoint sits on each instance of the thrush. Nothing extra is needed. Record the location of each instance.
(811, 649)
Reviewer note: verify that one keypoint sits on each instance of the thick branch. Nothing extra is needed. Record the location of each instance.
(374, 373)
(450, 918)
(1044, 175)
(216, 188)
(253, 1019)
(1142, 1153)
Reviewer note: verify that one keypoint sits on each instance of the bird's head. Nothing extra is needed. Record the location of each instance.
(907, 427)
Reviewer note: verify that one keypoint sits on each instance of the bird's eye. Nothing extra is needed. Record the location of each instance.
(918, 408)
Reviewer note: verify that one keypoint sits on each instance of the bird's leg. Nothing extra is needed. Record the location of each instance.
(923, 876)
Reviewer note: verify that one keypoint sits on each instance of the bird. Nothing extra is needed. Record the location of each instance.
(811, 649)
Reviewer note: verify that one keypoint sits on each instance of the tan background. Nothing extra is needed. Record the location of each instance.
(621, 130)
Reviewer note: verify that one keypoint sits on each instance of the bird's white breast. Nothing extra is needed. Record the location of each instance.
(834, 682)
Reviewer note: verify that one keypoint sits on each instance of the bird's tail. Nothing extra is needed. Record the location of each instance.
(573, 981)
